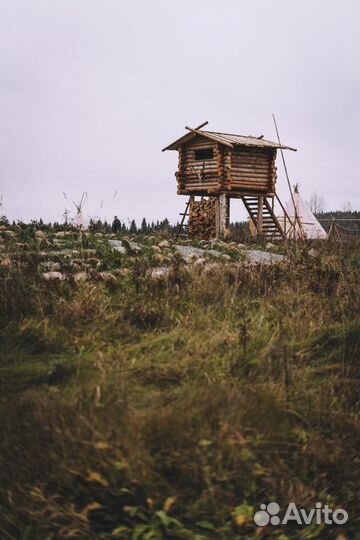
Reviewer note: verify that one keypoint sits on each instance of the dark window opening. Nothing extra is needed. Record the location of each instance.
(204, 153)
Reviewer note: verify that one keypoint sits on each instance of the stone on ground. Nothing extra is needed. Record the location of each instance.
(53, 276)
(262, 257)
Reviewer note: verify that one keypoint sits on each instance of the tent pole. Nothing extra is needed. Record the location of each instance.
(288, 180)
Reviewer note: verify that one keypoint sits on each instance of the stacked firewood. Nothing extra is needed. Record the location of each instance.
(202, 219)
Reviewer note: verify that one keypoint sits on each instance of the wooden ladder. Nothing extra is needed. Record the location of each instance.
(271, 228)
(183, 227)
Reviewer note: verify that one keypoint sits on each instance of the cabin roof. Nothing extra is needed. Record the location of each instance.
(227, 139)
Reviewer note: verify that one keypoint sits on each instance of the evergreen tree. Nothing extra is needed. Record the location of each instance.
(133, 228)
(144, 226)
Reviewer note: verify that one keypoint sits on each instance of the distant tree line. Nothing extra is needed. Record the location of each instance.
(131, 226)
(97, 225)
(347, 218)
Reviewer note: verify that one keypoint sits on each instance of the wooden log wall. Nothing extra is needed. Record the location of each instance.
(237, 170)
(180, 172)
(227, 168)
(253, 169)
(191, 169)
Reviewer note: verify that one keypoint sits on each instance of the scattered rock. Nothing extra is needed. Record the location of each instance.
(130, 247)
(51, 266)
(156, 249)
(108, 277)
(216, 253)
(189, 253)
(121, 272)
(200, 261)
(9, 234)
(270, 245)
(313, 252)
(76, 266)
(53, 276)
(135, 248)
(6, 262)
(40, 234)
(93, 273)
(164, 244)
(262, 257)
(93, 261)
(117, 245)
(63, 234)
(241, 246)
(160, 272)
(80, 276)
(158, 258)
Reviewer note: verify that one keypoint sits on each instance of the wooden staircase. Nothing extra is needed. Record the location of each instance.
(263, 217)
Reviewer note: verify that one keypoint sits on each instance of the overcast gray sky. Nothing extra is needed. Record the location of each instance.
(91, 90)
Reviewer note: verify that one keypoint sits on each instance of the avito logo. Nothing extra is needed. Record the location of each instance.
(269, 514)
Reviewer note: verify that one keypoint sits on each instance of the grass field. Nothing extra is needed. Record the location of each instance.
(141, 408)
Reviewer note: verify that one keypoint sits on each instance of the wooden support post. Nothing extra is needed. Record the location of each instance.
(222, 221)
(260, 215)
(227, 212)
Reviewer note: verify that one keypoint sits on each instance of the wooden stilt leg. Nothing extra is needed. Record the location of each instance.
(223, 210)
(260, 215)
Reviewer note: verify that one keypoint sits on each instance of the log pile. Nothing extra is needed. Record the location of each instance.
(202, 218)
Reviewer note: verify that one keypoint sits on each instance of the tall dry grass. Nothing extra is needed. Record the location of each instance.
(172, 408)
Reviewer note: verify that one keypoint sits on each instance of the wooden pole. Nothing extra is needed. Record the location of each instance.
(223, 214)
(202, 125)
(227, 212)
(288, 180)
(260, 215)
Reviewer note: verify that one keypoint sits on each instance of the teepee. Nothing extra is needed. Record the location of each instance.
(80, 220)
(303, 223)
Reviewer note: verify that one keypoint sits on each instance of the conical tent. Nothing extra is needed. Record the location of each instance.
(309, 227)
(80, 220)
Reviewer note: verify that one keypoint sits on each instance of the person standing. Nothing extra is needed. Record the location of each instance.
(116, 225)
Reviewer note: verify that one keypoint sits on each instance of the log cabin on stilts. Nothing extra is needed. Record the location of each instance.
(221, 166)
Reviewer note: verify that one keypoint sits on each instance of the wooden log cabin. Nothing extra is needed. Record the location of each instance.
(229, 166)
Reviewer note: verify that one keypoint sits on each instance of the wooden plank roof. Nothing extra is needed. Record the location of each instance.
(228, 139)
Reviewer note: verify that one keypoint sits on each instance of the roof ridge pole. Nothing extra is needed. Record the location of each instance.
(287, 177)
